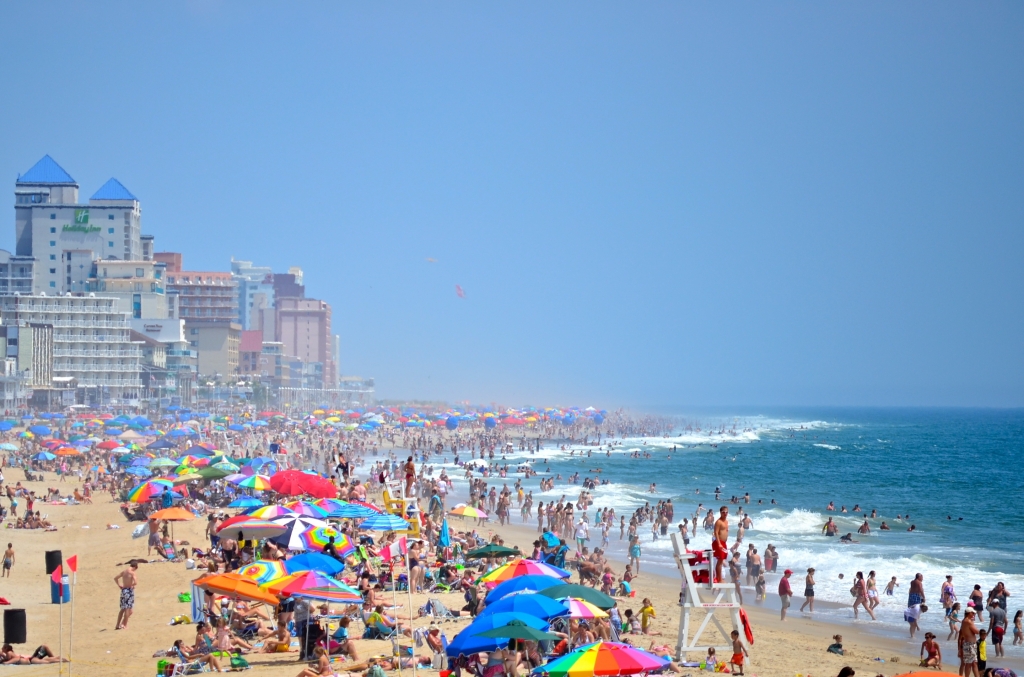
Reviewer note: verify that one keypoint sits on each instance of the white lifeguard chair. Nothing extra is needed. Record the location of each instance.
(710, 596)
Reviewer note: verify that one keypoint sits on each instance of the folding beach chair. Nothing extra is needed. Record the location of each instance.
(438, 611)
(187, 667)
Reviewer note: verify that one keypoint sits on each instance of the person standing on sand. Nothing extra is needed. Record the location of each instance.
(126, 580)
(719, 542)
(808, 590)
(785, 591)
(967, 643)
(916, 594)
(8, 561)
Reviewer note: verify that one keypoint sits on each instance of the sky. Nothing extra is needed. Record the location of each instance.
(646, 204)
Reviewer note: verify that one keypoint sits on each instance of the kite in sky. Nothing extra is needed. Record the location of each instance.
(458, 290)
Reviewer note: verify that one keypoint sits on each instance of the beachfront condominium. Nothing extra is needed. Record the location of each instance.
(91, 343)
(255, 292)
(304, 327)
(64, 236)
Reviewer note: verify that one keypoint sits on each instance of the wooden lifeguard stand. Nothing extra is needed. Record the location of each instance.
(700, 591)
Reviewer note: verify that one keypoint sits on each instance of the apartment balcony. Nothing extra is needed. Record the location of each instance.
(95, 368)
(86, 353)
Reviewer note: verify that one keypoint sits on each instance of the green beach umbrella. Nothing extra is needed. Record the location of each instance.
(595, 597)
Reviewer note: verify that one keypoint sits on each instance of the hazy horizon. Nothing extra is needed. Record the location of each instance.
(796, 204)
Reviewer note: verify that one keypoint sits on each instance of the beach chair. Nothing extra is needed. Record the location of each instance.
(187, 667)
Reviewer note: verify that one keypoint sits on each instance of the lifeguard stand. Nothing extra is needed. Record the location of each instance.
(396, 503)
(698, 572)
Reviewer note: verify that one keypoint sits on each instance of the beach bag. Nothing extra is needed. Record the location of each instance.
(184, 596)
(853, 591)
(238, 662)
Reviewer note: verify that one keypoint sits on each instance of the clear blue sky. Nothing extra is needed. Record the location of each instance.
(645, 203)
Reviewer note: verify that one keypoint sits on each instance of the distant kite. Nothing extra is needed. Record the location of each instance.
(458, 291)
(431, 260)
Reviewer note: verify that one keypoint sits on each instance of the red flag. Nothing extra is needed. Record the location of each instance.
(58, 575)
(73, 563)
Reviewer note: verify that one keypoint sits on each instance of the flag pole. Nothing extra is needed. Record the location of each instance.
(71, 636)
(60, 631)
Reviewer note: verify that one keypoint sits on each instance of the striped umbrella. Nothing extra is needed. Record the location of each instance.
(353, 511)
(307, 509)
(270, 512)
(580, 608)
(522, 567)
(313, 585)
(464, 510)
(384, 523)
(257, 482)
(318, 538)
(329, 504)
(294, 526)
(603, 658)
(148, 490)
(264, 571)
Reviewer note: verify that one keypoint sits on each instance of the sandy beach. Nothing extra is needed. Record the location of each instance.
(784, 649)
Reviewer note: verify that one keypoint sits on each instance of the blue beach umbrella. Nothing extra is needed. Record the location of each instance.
(384, 523)
(531, 582)
(43, 456)
(467, 642)
(245, 502)
(540, 606)
(39, 430)
(313, 561)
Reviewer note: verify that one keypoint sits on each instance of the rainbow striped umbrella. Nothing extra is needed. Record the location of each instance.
(257, 482)
(603, 658)
(329, 504)
(522, 567)
(463, 510)
(581, 608)
(264, 571)
(148, 490)
(313, 585)
(317, 539)
(269, 512)
(307, 509)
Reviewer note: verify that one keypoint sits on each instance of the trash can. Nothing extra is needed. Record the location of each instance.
(55, 597)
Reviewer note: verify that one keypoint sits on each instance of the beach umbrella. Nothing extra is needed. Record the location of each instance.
(173, 515)
(493, 550)
(535, 605)
(603, 658)
(256, 482)
(186, 478)
(162, 443)
(468, 641)
(162, 463)
(43, 456)
(5, 426)
(313, 561)
(67, 451)
(522, 567)
(444, 537)
(148, 490)
(39, 430)
(595, 597)
(314, 585)
(294, 526)
(7, 446)
(579, 608)
(237, 587)
(245, 502)
(269, 512)
(353, 511)
(329, 505)
(251, 530)
(211, 473)
(138, 471)
(518, 630)
(307, 509)
(384, 523)
(317, 539)
(464, 510)
(521, 584)
(264, 571)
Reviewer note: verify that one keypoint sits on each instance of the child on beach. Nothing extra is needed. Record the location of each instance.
(711, 661)
(891, 586)
(738, 652)
(1018, 631)
(634, 554)
(954, 621)
(646, 614)
(633, 622)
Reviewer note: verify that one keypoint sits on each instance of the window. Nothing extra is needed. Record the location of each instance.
(53, 243)
(53, 257)
(110, 217)
(110, 230)
(194, 344)
(53, 217)
(53, 284)
(127, 217)
(193, 331)
(53, 271)
(52, 229)
(110, 244)
(139, 272)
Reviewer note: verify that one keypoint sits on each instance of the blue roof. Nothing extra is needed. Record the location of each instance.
(113, 190)
(46, 171)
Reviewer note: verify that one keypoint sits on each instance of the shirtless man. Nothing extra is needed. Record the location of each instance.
(126, 580)
(830, 528)
(8, 561)
(968, 646)
(719, 543)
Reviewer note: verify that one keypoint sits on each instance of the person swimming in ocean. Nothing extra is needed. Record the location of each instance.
(830, 528)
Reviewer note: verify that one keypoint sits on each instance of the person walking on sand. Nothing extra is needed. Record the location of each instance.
(127, 580)
(8, 561)
(808, 591)
(997, 623)
(785, 591)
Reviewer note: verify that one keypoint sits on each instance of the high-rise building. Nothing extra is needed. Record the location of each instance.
(255, 292)
(137, 285)
(304, 327)
(50, 223)
(16, 274)
(91, 343)
(204, 296)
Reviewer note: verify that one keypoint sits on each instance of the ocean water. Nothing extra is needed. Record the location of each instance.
(931, 464)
